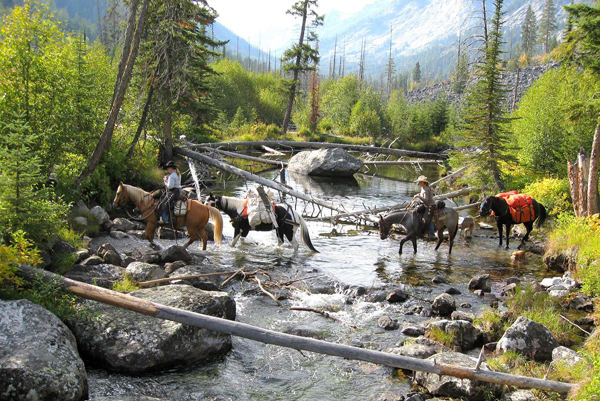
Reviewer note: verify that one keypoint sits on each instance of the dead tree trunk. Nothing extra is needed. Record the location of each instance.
(142, 123)
(593, 206)
(578, 176)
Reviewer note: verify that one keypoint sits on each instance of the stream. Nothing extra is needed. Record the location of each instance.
(351, 259)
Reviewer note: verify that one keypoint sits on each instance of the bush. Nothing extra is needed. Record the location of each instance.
(20, 251)
(126, 285)
(553, 193)
(579, 237)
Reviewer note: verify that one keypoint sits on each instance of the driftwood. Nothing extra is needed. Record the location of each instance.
(253, 177)
(398, 162)
(454, 174)
(152, 283)
(320, 145)
(246, 157)
(285, 340)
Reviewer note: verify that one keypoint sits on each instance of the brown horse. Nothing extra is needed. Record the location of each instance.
(196, 218)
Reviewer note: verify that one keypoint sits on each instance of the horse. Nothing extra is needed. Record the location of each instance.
(196, 218)
(467, 226)
(503, 217)
(417, 221)
(287, 218)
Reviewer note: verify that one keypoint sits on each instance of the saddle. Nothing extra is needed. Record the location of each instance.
(437, 211)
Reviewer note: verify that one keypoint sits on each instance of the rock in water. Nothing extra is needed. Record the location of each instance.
(334, 162)
(174, 253)
(528, 338)
(128, 342)
(140, 271)
(38, 356)
(444, 305)
(480, 283)
(448, 386)
(101, 215)
(464, 334)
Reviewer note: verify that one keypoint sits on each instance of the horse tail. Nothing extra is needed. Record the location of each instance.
(218, 219)
(305, 235)
(542, 216)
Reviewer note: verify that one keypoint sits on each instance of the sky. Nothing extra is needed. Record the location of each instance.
(266, 21)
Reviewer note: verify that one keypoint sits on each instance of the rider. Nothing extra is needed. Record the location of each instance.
(426, 197)
(173, 186)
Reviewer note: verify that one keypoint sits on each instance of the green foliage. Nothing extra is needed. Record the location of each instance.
(580, 238)
(461, 75)
(555, 119)
(544, 309)
(364, 121)
(442, 337)
(416, 75)
(553, 193)
(71, 237)
(126, 285)
(492, 323)
(19, 251)
(548, 26)
(583, 40)
(589, 388)
(529, 32)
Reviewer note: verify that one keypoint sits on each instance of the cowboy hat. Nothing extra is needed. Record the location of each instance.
(422, 178)
(171, 164)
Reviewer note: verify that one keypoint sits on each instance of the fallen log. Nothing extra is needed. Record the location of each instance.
(246, 157)
(398, 162)
(320, 145)
(244, 330)
(253, 177)
(454, 174)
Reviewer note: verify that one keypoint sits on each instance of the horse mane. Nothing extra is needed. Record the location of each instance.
(397, 216)
(228, 202)
(136, 194)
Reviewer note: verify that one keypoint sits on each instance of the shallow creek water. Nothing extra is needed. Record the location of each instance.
(350, 256)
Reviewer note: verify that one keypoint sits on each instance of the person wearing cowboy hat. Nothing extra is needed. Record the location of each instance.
(173, 187)
(426, 197)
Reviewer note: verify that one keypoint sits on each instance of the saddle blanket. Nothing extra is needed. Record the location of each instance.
(519, 205)
(256, 210)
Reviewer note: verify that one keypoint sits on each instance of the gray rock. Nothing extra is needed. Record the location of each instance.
(558, 291)
(129, 398)
(203, 283)
(112, 258)
(387, 323)
(465, 305)
(412, 330)
(460, 315)
(520, 395)
(82, 254)
(396, 296)
(443, 305)
(140, 271)
(581, 302)
(80, 222)
(448, 386)
(528, 338)
(508, 289)
(101, 215)
(439, 280)
(118, 234)
(375, 296)
(452, 291)
(102, 275)
(107, 225)
(124, 341)
(479, 293)
(333, 162)
(174, 253)
(62, 247)
(127, 260)
(549, 282)
(92, 261)
(38, 356)
(355, 291)
(480, 283)
(464, 334)
(585, 321)
(421, 348)
(171, 267)
(416, 307)
(513, 280)
(80, 207)
(566, 355)
(416, 397)
(102, 249)
(121, 224)
(388, 396)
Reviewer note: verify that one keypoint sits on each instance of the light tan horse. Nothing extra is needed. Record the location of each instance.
(195, 220)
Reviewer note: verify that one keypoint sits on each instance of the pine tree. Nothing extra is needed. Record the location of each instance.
(417, 73)
(461, 75)
(485, 129)
(301, 56)
(529, 32)
(547, 25)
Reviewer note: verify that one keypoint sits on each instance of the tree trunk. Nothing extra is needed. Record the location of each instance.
(168, 136)
(575, 183)
(593, 206)
(288, 110)
(583, 168)
(123, 81)
(144, 115)
(126, 49)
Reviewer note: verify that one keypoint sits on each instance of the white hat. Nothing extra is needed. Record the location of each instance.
(422, 178)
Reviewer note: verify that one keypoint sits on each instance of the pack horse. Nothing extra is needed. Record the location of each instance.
(195, 219)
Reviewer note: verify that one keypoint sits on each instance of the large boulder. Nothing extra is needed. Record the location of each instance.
(464, 335)
(174, 253)
(124, 341)
(103, 275)
(120, 224)
(38, 356)
(528, 338)
(203, 283)
(140, 271)
(421, 348)
(448, 386)
(480, 283)
(101, 215)
(443, 305)
(334, 162)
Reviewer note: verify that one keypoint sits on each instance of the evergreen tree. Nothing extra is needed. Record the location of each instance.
(461, 75)
(301, 56)
(485, 130)
(547, 25)
(583, 42)
(529, 32)
(417, 73)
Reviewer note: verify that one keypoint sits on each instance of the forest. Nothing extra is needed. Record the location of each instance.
(81, 105)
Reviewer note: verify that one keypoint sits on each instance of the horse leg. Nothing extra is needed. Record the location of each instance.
(193, 233)
(402, 241)
(507, 234)
(291, 236)
(500, 233)
(204, 238)
(440, 235)
(414, 242)
(279, 234)
(149, 233)
(236, 235)
(529, 227)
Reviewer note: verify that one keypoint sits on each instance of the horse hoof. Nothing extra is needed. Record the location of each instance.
(506, 247)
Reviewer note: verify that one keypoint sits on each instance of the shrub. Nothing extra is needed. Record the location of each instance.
(553, 193)
(126, 285)
(20, 251)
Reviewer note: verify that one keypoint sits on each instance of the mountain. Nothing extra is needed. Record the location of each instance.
(238, 48)
(422, 30)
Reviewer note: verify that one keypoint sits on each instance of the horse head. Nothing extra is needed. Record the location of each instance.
(384, 228)
(485, 209)
(210, 200)
(121, 196)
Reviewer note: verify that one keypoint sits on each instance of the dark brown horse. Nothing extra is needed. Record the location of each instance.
(196, 218)
(503, 216)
